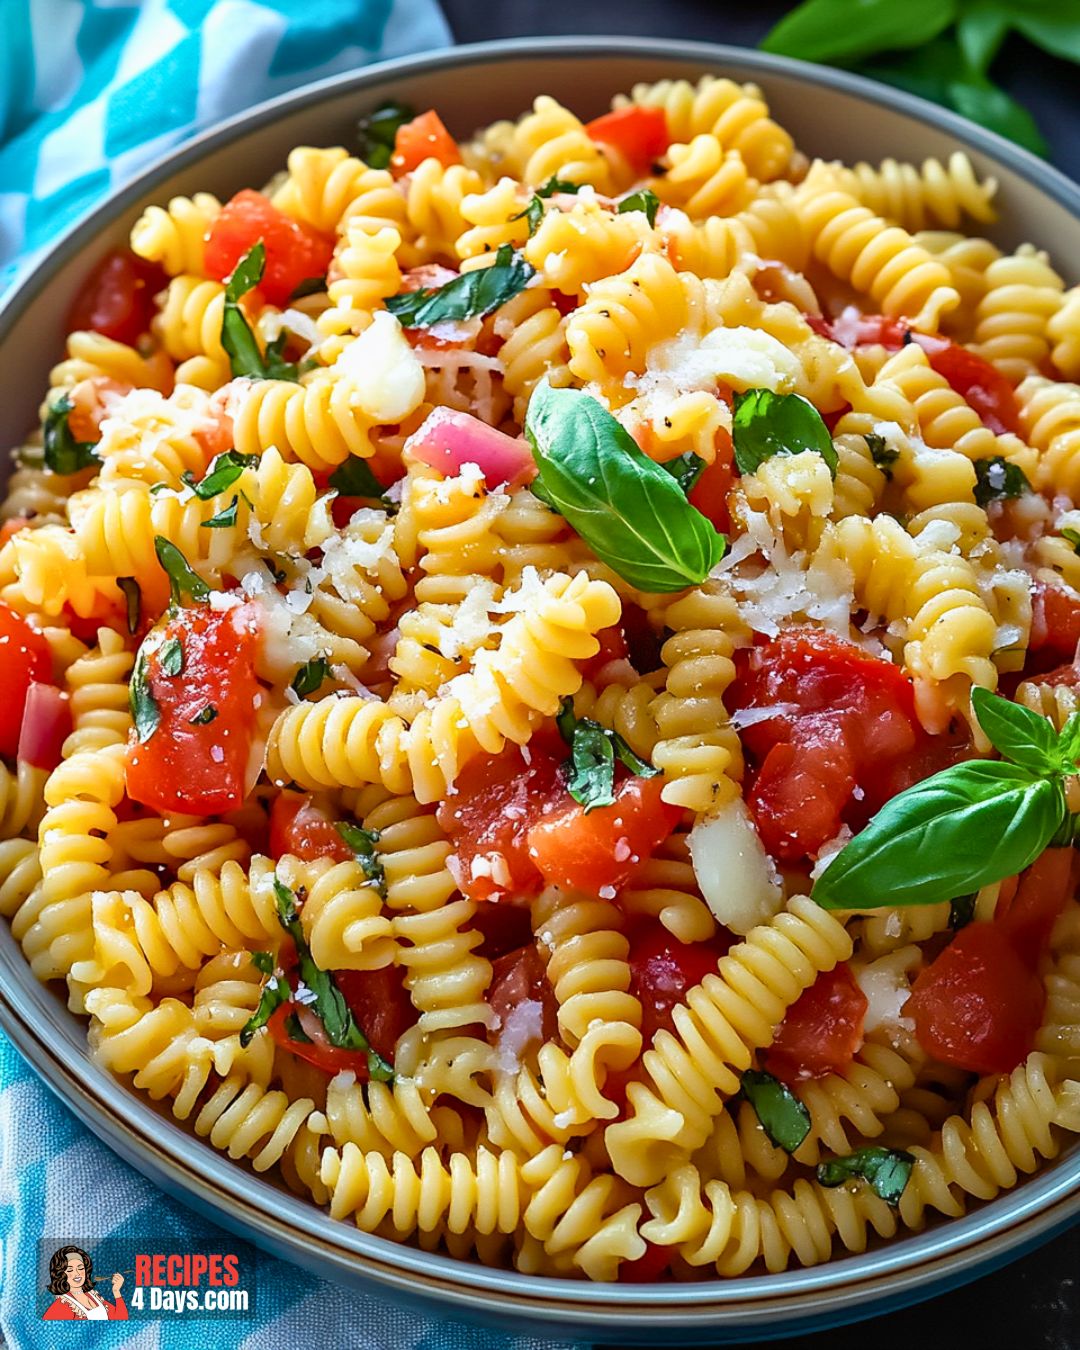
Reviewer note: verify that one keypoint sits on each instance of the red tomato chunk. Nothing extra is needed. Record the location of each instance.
(663, 970)
(978, 382)
(24, 658)
(821, 1031)
(522, 1001)
(117, 298)
(425, 137)
(294, 252)
(638, 134)
(299, 827)
(977, 1005)
(200, 766)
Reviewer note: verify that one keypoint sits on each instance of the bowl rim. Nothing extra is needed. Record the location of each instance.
(1045, 1203)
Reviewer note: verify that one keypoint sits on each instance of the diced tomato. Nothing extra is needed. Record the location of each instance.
(380, 1005)
(294, 252)
(200, 767)
(663, 970)
(297, 826)
(852, 329)
(613, 647)
(448, 440)
(12, 526)
(117, 298)
(46, 725)
(424, 137)
(599, 850)
(639, 135)
(821, 1031)
(505, 928)
(981, 384)
(710, 493)
(646, 1269)
(522, 1000)
(24, 658)
(1055, 625)
(977, 1005)
(317, 1049)
(1043, 892)
(845, 720)
(642, 639)
(487, 814)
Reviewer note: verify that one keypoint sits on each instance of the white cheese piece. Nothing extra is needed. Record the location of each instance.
(386, 377)
(887, 986)
(733, 870)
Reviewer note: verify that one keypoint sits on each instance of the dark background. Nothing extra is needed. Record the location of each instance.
(1035, 1303)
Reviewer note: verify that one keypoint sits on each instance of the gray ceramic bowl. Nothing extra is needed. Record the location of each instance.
(829, 113)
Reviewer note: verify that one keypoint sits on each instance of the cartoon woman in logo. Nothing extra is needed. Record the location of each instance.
(71, 1279)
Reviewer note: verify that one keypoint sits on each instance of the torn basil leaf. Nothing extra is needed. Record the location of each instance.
(783, 1117)
(145, 712)
(765, 424)
(642, 200)
(883, 455)
(996, 480)
(224, 518)
(263, 961)
(377, 131)
(1072, 537)
(468, 296)
(534, 211)
(362, 842)
(275, 992)
(133, 600)
(63, 453)
(239, 341)
(593, 752)
(354, 478)
(309, 286)
(686, 469)
(962, 911)
(182, 578)
(223, 472)
(887, 1170)
(310, 676)
(171, 656)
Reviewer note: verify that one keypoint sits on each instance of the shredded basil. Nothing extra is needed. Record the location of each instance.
(627, 508)
(182, 578)
(171, 658)
(593, 751)
(783, 1117)
(642, 200)
(362, 842)
(239, 341)
(887, 1170)
(310, 675)
(686, 469)
(1072, 537)
(765, 424)
(205, 717)
(225, 517)
(133, 599)
(263, 961)
(534, 211)
(309, 286)
(63, 453)
(294, 1030)
(996, 479)
(145, 712)
(883, 455)
(472, 294)
(377, 132)
(275, 992)
(354, 478)
(223, 472)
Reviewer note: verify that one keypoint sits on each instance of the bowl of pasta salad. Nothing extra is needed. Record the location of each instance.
(541, 591)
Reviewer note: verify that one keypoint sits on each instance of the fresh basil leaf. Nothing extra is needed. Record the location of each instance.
(310, 675)
(642, 200)
(997, 479)
(354, 478)
(592, 762)
(327, 1002)
(204, 717)
(171, 658)
(628, 509)
(181, 576)
(1069, 743)
(309, 286)
(263, 961)
(640, 768)
(377, 132)
(133, 599)
(1053, 25)
(885, 1169)
(1072, 537)
(145, 712)
(766, 424)
(467, 296)
(275, 992)
(566, 720)
(957, 831)
(63, 453)
(962, 911)
(881, 452)
(783, 1117)
(554, 185)
(533, 213)
(362, 842)
(223, 472)
(224, 518)
(239, 341)
(275, 367)
(829, 30)
(981, 27)
(686, 469)
(1023, 736)
(294, 1029)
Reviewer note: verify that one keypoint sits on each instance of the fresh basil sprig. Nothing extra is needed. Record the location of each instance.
(328, 1004)
(353, 478)
(783, 1117)
(239, 341)
(886, 1170)
(996, 479)
(642, 200)
(310, 675)
(377, 131)
(62, 452)
(182, 577)
(628, 509)
(967, 826)
(593, 751)
(362, 842)
(470, 295)
(766, 424)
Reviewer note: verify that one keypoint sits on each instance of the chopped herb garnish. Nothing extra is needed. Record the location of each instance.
(593, 751)
(171, 657)
(225, 517)
(263, 961)
(354, 478)
(362, 842)
(239, 341)
(686, 469)
(962, 911)
(642, 200)
(765, 424)
(294, 1030)
(997, 479)
(275, 992)
(377, 131)
(145, 712)
(1072, 536)
(223, 472)
(883, 455)
(783, 1117)
(63, 453)
(133, 599)
(182, 578)
(470, 295)
(310, 676)
(205, 717)
(309, 286)
(885, 1169)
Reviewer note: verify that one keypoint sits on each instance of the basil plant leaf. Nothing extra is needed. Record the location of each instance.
(887, 1170)
(1025, 737)
(223, 472)
(686, 469)
(628, 509)
(957, 831)
(1069, 743)
(981, 27)
(62, 452)
(766, 424)
(470, 295)
(783, 1117)
(830, 30)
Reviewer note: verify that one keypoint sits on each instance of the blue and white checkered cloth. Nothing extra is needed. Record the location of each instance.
(90, 90)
